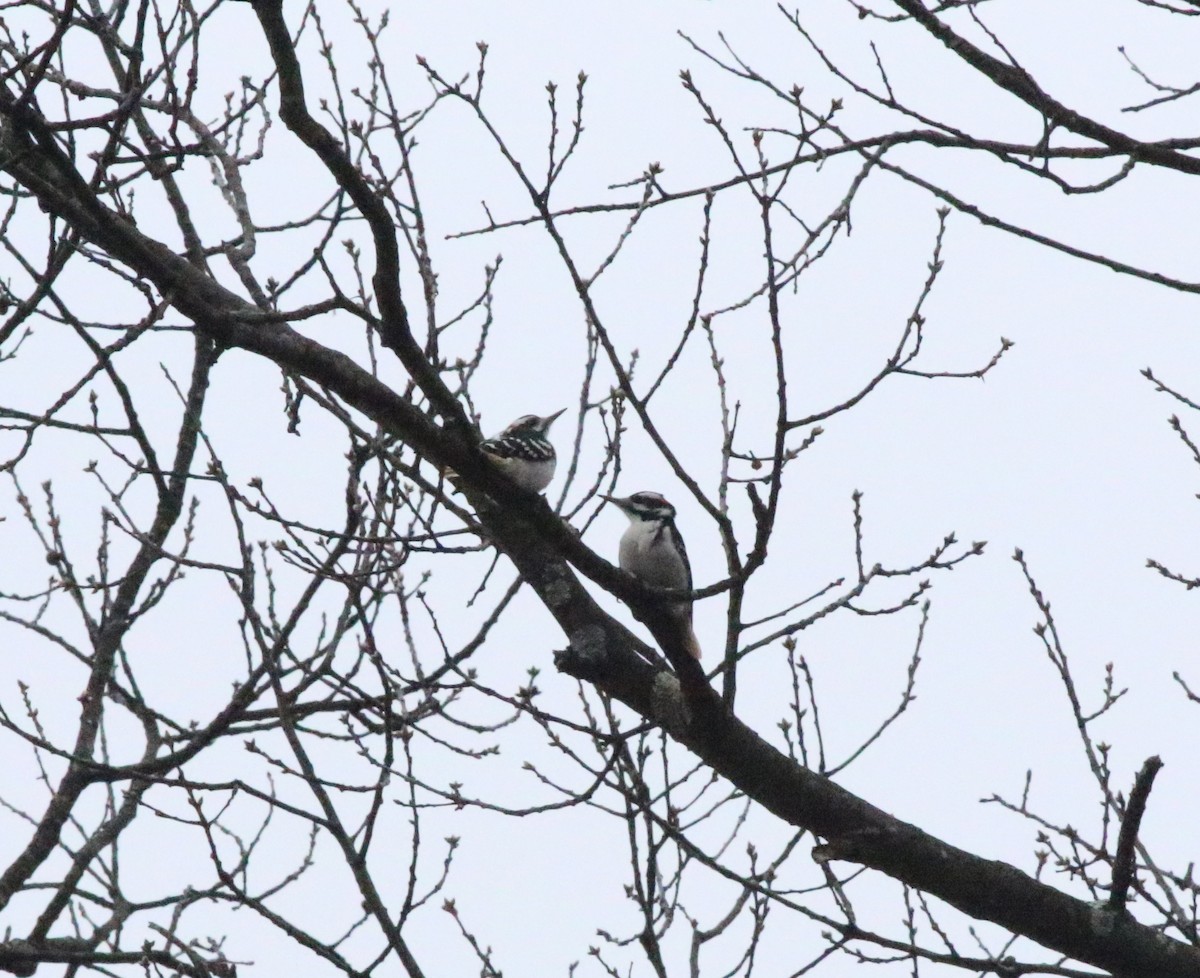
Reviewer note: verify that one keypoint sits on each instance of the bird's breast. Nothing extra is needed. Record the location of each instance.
(647, 553)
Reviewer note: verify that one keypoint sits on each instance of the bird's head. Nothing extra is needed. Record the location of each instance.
(648, 506)
(532, 424)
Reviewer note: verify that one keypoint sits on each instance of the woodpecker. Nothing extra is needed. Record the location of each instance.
(523, 452)
(653, 551)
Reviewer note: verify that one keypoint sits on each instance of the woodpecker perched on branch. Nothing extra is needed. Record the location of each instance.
(523, 452)
(653, 551)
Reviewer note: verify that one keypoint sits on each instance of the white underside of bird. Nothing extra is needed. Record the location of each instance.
(646, 551)
(531, 474)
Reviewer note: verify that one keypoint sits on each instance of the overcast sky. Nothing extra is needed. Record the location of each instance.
(1064, 450)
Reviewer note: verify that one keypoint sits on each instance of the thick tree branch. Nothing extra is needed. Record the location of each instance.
(1021, 84)
(1124, 862)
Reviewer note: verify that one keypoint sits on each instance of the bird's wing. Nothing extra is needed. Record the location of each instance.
(506, 446)
(668, 529)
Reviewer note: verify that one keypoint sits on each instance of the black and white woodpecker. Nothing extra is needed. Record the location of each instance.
(523, 452)
(653, 551)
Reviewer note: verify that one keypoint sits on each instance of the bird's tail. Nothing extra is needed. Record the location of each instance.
(690, 642)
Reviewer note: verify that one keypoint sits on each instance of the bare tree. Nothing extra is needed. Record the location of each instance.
(348, 603)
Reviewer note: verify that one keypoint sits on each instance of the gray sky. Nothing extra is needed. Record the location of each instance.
(1064, 450)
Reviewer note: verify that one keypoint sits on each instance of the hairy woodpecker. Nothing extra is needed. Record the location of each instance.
(523, 452)
(652, 550)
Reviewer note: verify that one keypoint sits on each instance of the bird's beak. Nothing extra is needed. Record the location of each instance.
(551, 418)
(618, 501)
